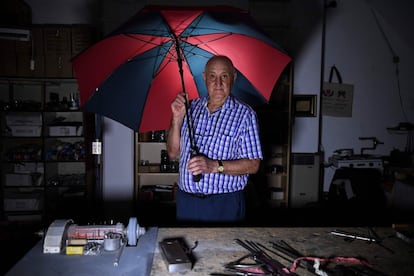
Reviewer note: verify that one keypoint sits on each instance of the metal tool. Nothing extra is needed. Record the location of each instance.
(375, 143)
(352, 236)
(289, 251)
(176, 255)
(272, 266)
(372, 236)
(118, 255)
(243, 267)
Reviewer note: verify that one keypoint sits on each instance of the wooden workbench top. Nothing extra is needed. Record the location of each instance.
(216, 247)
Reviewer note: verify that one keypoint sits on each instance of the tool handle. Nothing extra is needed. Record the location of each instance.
(118, 255)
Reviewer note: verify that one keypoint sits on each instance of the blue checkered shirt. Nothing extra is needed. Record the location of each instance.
(230, 133)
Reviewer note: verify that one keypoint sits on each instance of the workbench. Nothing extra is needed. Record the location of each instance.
(216, 246)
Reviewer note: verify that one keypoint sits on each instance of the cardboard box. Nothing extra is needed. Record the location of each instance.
(27, 119)
(26, 131)
(28, 167)
(25, 217)
(65, 131)
(21, 204)
(31, 203)
(18, 179)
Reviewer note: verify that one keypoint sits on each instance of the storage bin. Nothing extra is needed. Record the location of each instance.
(30, 119)
(26, 130)
(65, 130)
(30, 203)
(18, 179)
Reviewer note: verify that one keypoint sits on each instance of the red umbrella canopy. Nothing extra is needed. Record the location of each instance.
(134, 73)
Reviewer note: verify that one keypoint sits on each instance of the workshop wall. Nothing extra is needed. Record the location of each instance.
(362, 40)
(354, 43)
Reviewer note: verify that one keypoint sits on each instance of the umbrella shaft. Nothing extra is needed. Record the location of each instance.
(189, 122)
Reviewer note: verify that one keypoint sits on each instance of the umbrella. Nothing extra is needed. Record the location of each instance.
(133, 74)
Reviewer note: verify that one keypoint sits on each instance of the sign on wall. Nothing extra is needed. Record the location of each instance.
(337, 97)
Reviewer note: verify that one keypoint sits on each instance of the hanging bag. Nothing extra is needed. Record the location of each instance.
(337, 96)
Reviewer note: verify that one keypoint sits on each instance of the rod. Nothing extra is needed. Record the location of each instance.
(193, 147)
(321, 151)
(353, 236)
(118, 255)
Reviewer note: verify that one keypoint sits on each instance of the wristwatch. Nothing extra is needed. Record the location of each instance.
(220, 167)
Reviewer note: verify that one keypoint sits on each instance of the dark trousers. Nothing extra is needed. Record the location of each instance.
(228, 207)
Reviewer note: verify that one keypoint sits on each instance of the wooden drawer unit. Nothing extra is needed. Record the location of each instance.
(58, 65)
(57, 47)
(82, 38)
(8, 58)
(57, 40)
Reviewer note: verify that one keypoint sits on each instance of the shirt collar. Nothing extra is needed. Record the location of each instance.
(228, 104)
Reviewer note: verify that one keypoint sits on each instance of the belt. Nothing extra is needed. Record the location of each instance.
(199, 195)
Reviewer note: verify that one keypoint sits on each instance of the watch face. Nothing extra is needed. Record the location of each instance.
(220, 167)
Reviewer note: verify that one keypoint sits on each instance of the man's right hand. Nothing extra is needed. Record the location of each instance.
(178, 110)
(178, 107)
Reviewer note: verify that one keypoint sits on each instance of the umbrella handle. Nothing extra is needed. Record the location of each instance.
(194, 152)
(189, 123)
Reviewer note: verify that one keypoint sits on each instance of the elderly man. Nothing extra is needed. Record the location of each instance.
(228, 146)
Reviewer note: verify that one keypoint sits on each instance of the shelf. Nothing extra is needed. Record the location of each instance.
(159, 173)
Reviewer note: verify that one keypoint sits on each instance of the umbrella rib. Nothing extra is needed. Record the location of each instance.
(171, 53)
(144, 40)
(206, 43)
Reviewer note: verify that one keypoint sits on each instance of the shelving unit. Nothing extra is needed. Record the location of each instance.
(47, 169)
(273, 179)
(156, 177)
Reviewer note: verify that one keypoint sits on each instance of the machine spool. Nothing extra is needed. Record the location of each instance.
(112, 241)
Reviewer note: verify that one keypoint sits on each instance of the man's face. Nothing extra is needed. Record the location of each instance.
(219, 78)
